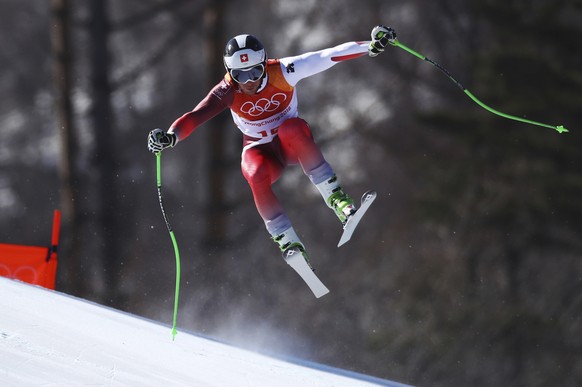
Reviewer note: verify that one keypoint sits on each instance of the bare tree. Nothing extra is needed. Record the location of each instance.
(62, 68)
(216, 211)
(105, 156)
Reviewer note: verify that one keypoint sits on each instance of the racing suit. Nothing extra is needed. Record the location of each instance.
(273, 134)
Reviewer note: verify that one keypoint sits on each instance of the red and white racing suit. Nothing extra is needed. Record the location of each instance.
(273, 135)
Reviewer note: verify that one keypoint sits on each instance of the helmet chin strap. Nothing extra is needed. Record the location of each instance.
(263, 82)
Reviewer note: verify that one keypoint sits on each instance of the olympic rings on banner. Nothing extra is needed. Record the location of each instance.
(23, 273)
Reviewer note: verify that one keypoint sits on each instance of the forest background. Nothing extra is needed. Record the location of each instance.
(467, 272)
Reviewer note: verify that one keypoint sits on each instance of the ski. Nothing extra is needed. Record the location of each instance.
(295, 259)
(353, 221)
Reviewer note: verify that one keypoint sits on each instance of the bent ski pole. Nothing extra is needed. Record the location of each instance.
(395, 42)
(174, 242)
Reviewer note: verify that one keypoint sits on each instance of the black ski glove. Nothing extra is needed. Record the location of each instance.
(381, 36)
(158, 140)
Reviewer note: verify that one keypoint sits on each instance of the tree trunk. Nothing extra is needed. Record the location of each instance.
(216, 214)
(72, 281)
(105, 153)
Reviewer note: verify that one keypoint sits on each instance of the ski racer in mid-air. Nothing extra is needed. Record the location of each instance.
(262, 99)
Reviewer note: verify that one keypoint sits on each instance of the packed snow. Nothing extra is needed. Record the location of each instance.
(51, 339)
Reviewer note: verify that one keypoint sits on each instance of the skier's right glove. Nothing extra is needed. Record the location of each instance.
(158, 140)
(381, 36)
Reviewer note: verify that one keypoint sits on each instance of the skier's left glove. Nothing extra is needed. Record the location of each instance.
(381, 37)
(158, 140)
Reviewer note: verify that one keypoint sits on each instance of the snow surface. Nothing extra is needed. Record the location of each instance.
(52, 339)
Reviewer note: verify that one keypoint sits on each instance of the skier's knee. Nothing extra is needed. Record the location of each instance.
(257, 175)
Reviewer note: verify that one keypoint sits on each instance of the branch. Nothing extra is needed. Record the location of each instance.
(146, 15)
(170, 42)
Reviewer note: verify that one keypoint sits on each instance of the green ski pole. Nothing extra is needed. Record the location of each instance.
(174, 242)
(395, 42)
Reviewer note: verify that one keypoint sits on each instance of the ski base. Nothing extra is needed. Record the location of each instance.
(349, 228)
(295, 259)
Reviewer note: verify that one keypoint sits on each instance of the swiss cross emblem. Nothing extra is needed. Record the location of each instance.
(244, 58)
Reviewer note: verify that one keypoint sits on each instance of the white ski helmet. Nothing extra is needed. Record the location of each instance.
(245, 58)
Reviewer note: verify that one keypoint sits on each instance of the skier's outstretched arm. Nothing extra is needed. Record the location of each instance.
(302, 66)
(217, 100)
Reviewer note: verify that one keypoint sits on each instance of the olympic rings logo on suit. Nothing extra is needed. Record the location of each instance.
(263, 105)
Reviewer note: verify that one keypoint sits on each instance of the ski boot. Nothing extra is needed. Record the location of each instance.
(289, 244)
(336, 199)
(343, 206)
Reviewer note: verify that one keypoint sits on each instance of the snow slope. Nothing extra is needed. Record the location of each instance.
(51, 339)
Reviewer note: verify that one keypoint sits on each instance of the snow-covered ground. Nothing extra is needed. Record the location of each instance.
(51, 339)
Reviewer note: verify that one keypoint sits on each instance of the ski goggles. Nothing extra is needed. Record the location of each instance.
(251, 74)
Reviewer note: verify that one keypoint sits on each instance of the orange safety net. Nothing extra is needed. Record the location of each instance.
(35, 265)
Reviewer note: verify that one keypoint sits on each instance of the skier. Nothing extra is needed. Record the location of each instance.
(261, 96)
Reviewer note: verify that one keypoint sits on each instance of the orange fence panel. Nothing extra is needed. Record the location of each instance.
(35, 265)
